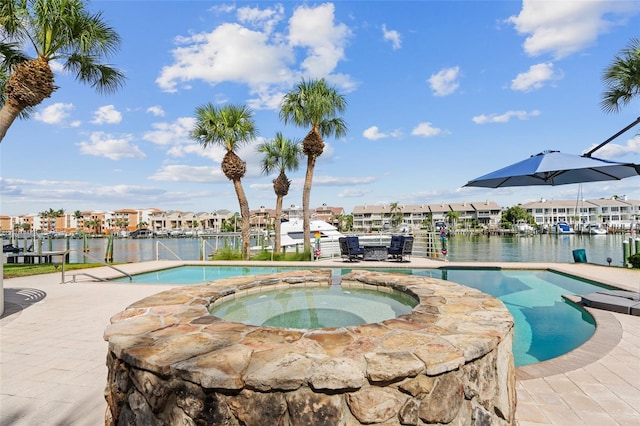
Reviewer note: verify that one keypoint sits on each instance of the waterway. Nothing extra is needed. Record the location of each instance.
(539, 248)
(536, 248)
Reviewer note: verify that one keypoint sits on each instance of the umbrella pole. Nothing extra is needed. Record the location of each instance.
(588, 154)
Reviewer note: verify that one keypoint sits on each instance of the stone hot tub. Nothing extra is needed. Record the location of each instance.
(449, 361)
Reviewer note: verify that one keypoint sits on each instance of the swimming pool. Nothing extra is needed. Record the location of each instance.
(546, 326)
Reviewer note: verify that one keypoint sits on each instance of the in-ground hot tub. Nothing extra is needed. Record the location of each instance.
(448, 360)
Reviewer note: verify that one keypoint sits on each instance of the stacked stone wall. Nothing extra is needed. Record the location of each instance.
(449, 362)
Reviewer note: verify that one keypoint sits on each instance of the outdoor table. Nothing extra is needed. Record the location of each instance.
(372, 252)
(33, 258)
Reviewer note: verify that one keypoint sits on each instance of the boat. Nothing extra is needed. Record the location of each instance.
(595, 229)
(523, 228)
(561, 228)
(292, 232)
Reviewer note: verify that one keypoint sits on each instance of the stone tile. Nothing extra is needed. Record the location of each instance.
(595, 418)
(580, 402)
(561, 384)
(624, 420)
(531, 413)
(523, 394)
(603, 375)
(536, 386)
(549, 399)
(562, 416)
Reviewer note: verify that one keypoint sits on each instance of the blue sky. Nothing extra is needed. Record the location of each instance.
(438, 93)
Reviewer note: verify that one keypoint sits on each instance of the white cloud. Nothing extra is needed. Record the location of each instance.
(373, 133)
(342, 181)
(156, 110)
(314, 28)
(183, 173)
(102, 144)
(174, 133)
(425, 129)
(54, 114)
(265, 19)
(565, 27)
(612, 151)
(252, 52)
(353, 193)
(107, 114)
(534, 78)
(230, 52)
(504, 118)
(445, 82)
(392, 36)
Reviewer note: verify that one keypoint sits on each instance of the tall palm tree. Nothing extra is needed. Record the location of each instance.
(60, 30)
(396, 214)
(229, 127)
(282, 155)
(622, 78)
(313, 103)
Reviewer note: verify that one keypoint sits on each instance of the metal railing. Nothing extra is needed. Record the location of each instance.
(64, 261)
(158, 244)
(203, 249)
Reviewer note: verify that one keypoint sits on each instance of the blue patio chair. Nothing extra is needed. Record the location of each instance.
(401, 246)
(395, 247)
(350, 248)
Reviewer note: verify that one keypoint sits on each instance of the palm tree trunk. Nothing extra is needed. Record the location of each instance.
(306, 195)
(278, 225)
(8, 114)
(244, 213)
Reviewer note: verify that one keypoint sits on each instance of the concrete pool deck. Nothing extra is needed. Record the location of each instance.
(52, 354)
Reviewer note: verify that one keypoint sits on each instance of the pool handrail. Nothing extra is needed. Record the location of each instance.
(64, 259)
(158, 243)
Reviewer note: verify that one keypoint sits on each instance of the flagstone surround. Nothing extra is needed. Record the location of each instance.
(449, 361)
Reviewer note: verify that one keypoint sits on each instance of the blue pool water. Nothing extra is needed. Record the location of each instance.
(546, 326)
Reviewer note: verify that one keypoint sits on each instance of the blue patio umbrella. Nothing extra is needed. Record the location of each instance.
(555, 168)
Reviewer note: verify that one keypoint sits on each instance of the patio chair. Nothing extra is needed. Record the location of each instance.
(350, 248)
(395, 247)
(401, 246)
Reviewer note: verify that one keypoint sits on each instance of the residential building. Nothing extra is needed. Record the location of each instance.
(615, 212)
(375, 218)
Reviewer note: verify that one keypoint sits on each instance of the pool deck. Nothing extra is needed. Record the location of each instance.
(52, 355)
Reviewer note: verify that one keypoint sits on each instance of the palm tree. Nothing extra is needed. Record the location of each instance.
(60, 30)
(452, 218)
(282, 155)
(313, 104)
(229, 127)
(396, 214)
(622, 78)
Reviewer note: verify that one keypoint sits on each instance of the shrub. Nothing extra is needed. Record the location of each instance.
(226, 254)
(634, 260)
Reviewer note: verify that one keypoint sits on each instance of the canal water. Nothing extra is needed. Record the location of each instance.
(539, 248)
(536, 248)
